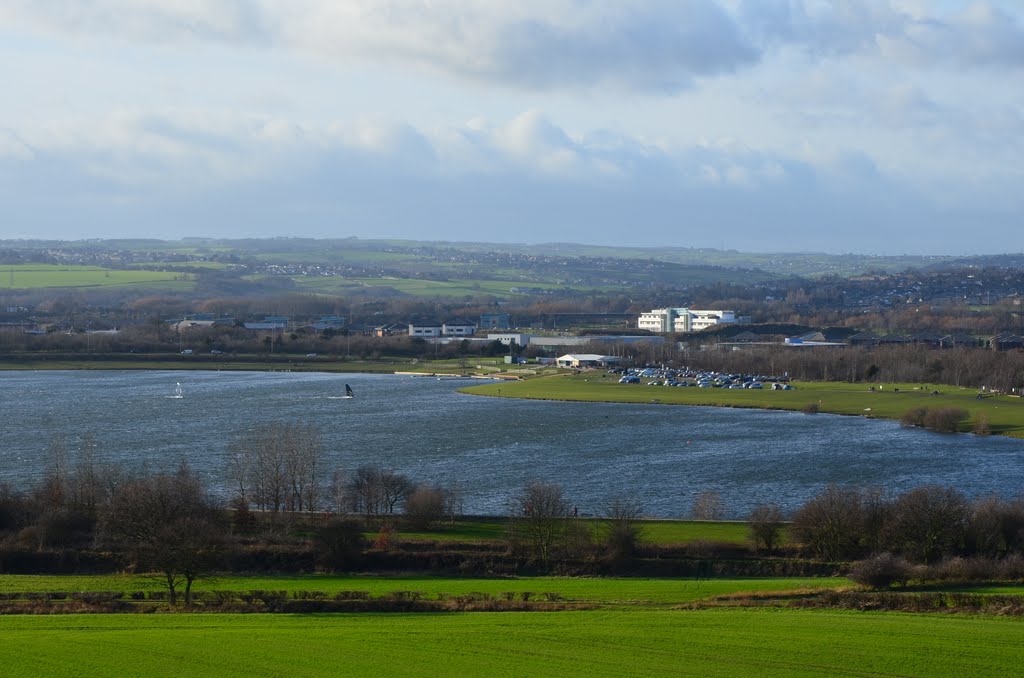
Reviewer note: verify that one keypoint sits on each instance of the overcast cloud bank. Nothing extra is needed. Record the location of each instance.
(848, 126)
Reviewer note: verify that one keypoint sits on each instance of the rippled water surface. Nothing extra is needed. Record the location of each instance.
(661, 455)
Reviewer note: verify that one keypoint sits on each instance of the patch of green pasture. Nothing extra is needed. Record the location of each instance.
(659, 532)
(605, 590)
(38, 276)
(209, 265)
(667, 532)
(1005, 414)
(1004, 589)
(721, 642)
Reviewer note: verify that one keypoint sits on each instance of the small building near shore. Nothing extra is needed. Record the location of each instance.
(579, 360)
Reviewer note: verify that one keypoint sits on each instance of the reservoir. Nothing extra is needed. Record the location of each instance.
(661, 456)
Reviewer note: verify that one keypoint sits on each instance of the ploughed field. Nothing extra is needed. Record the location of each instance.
(726, 642)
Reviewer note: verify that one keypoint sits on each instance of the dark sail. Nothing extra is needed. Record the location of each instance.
(348, 391)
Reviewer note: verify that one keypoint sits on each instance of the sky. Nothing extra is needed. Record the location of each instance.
(842, 126)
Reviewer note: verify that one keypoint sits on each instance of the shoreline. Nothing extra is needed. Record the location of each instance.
(1005, 414)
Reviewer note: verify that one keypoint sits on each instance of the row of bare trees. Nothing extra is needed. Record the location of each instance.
(276, 466)
(279, 466)
(924, 524)
(543, 523)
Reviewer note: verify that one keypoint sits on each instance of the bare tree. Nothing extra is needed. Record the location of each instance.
(339, 543)
(395, 487)
(277, 466)
(929, 522)
(543, 512)
(454, 502)
(830, 524)
(622, 529)
(374, 491)
(169, 524)
(996, 526)
(425, 506)
(708, 506)
(14, 508)
(766, 523)
(303, 457)
(876, 509)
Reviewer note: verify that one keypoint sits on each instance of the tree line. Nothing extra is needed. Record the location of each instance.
(170, 523)
(967, 367)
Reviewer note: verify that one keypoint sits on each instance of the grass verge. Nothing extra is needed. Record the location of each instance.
(890, 401)
(721, 642)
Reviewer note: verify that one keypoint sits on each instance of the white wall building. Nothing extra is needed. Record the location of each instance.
(585, 360)
(658, 320)
(662, 320)
(695, 321)
(458, 328)
(425, 329)
(507, 338)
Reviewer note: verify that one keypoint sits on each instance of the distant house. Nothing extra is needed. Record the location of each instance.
(327, 323)
(812, 339)
(183, 325)
(458, 327)
(585, 360)
(517, 338)
(1005, 341)
(863, 339)
(747, 337)
(495, 321)
(426, 329)
(958, 340)
(265, 326)
(933, 339)
(893, 340)
(390, 329)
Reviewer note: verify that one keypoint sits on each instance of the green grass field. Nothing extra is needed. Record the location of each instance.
(660, 532)
(721, 642)
(1005, 413)
(37, 276)
(605, 590)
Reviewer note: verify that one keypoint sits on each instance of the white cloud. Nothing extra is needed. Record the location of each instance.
(655, 46)
(557, 113)
(526, 177)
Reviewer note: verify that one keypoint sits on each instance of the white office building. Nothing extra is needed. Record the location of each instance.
(662, 320)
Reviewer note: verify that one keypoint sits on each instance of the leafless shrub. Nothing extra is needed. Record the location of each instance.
(708, 506)
(945, 419)
(425, 506)
(914, 416)
(881, 571)
(766, 523)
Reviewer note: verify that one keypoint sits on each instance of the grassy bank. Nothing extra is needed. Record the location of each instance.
(658, 532)
(726, 642)
(1005, 414)
(603, 590)
(41, 276)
